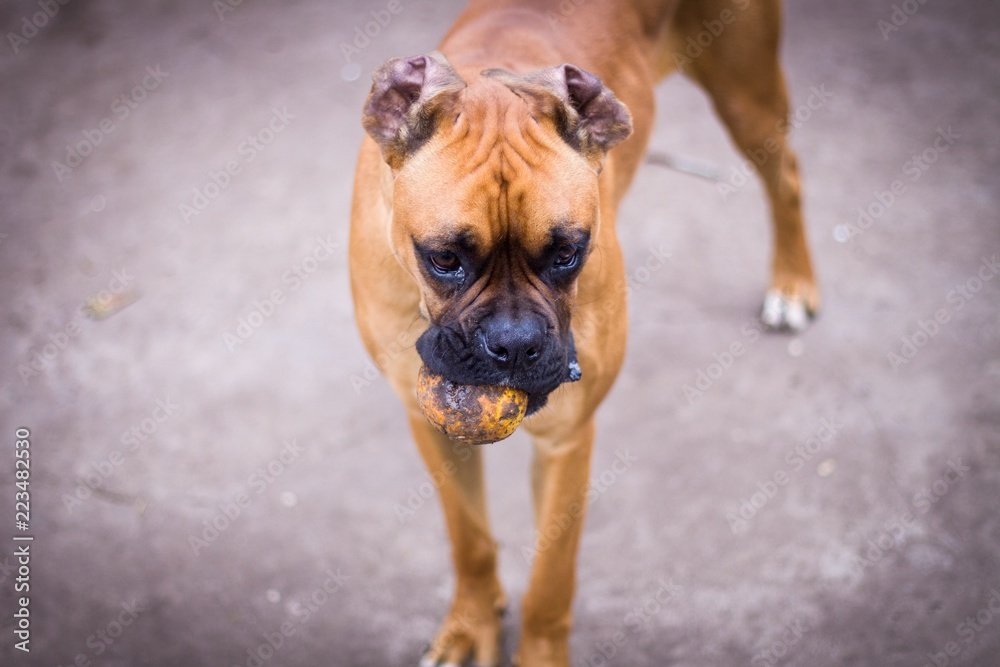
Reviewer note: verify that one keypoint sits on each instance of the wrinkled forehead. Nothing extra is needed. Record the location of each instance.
(493, 174)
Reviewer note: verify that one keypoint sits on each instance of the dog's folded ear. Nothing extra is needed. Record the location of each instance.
(586, 113)
(408, 97)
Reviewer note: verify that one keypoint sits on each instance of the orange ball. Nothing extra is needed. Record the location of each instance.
(470, 413)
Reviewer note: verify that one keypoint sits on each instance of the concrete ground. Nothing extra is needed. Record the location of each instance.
(216, 470)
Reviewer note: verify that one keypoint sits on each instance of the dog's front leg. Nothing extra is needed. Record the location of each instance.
(560, 474)
(472, 626)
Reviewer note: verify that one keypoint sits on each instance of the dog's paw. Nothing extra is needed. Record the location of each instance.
(465, 634)
(788, 310)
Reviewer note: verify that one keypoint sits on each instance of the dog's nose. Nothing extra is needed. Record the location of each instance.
(513, 342)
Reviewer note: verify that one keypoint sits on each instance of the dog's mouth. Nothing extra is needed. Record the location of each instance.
(445, 353)
(537, 401)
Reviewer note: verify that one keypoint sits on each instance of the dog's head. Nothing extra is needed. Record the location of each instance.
(495, 210)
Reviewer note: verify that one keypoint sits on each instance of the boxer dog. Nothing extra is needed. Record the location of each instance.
(483, 245)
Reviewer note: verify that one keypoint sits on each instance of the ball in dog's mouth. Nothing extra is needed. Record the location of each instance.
(474, 414)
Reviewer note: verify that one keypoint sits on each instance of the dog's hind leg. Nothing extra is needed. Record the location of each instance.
(741, 72)
(472, 626)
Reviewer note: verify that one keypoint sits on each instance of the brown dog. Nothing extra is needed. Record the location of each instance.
(483, 245)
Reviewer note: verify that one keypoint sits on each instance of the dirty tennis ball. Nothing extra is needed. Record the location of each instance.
(470, 413)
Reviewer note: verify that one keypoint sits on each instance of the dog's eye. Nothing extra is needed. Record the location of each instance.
(445, 262)
(566, 256)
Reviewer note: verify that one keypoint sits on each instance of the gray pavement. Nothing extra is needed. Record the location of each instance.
(215, 468)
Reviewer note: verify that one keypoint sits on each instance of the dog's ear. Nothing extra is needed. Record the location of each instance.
(586, 113)
(408, 97)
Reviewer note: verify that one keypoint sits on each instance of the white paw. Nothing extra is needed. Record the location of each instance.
(429, 661)
(784, 313)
